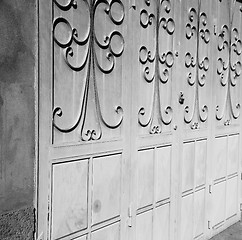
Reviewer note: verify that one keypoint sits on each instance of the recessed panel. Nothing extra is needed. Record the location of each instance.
(111, 232)
(188, 160)
(106, 188)
(232, 197)
(199, 212)
(163, 173)
(145, 168)
(220, 154)
(82, 238)
(162, 223)
(69, 199)
(233, 154)
(144, 226)
(219, 197)
(88, 70)
(186, 228)
(200, 165)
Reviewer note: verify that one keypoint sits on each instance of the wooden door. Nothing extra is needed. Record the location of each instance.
(225, 166)
(84, 119)
(184, 104)
(195, 38)
(154, 116)
(139, 119)
(209, 69)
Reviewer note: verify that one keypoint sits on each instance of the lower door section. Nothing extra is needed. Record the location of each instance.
(152, 194)
(226, 177)
(86, 198)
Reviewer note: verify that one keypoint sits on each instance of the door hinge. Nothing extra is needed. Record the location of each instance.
(215, 30)
(35, 221)
(210, 188)
(130, 216)
(241, 176)
(209, 224)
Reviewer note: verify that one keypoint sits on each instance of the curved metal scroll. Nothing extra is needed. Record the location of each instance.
(91, 62)
(197, 65)
(164, 61)
(229, 67)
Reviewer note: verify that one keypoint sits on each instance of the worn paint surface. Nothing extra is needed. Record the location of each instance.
(17, 76)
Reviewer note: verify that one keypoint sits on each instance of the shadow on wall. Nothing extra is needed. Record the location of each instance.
(17, 101)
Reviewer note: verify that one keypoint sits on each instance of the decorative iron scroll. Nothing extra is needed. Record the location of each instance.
(90, 62)
(198, 34)
(229, 67)
(162, 62)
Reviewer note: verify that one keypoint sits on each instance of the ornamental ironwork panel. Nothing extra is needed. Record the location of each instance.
(87, 77)
(197, 62)
(156, 58)
(228, 70)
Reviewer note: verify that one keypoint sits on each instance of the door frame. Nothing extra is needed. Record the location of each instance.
(44, 118)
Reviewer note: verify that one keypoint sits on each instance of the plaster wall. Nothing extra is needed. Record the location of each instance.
(17, 115)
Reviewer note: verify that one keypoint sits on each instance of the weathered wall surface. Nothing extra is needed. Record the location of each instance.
(17, 146)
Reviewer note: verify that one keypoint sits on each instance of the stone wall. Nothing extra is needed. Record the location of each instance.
(18, 63)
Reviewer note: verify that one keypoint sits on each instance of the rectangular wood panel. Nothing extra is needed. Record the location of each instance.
(163, 173)
(106, 188)
(162, 223)
(144, 226)
(145, 181)
(186, 218)
(188, 162)
(69, 198)
(232, 197)
(111, 232)
(219, 204)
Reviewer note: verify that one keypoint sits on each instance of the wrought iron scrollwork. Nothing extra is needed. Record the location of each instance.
(162, 63)
(90, 61)
(229, 68)
(197, 65)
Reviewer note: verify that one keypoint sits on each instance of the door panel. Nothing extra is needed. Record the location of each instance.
(186, 217)
(199, 214)
(88, 62)
(225, 179)
(226, 171)
(163, 173)
(161, 223)
(144, 226)
(233, 155)
(193, 189)
(153, 116)
(145, 183)
(69, 200)
(106, 188)
(219, 197)
(86, 156)
(195, 58)
(110, 232)
(155, 27)
(219, 160)
(228, 55)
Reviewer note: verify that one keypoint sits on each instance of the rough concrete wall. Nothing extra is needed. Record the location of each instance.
(17, 77)
(17, 225)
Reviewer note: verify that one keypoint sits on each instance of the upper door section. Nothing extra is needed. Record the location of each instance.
(89, 45)
(154, 61)
(228, 60)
